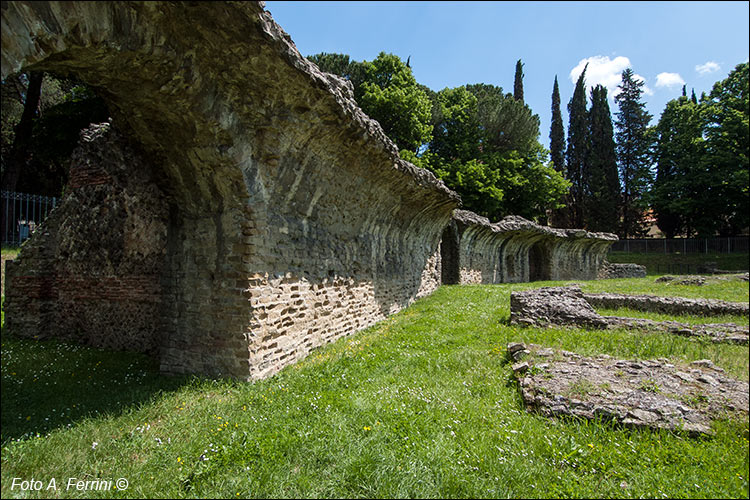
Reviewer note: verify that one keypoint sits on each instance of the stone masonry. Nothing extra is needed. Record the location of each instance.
(93, 272)
(240, 209)
(516, 250)
(653, 393)
(569, 306)
(289, 218)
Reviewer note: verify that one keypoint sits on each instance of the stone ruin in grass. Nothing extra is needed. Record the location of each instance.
(653, 393)
(569, 306)
(240, 209)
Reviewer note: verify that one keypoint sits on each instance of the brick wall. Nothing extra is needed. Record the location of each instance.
(92, 273)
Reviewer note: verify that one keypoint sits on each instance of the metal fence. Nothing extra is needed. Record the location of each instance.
(736, 244)
(21, 215)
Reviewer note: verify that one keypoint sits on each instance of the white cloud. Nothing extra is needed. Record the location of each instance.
(669, 80)
(706, 68)
(605, 71)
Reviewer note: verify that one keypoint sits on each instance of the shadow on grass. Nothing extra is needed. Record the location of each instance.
(47, 385)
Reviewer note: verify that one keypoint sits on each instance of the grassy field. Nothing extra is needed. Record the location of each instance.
(422, 404)
(674, 263)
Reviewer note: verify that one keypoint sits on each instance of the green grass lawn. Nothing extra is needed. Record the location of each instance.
(675, 263)
(423, 404)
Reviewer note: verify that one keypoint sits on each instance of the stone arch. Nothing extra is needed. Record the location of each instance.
(449, 255)
(145, 72)
(539, 262)
(291, 218)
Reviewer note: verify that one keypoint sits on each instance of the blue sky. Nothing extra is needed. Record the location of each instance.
(454, 43)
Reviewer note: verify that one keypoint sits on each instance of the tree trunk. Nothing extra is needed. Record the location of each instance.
(20, 150)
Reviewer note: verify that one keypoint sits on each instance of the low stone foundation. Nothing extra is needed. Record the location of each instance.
(569, 306)
(666, 305)
(655, 393)
(617, 271)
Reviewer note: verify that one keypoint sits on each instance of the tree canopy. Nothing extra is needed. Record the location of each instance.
(482, 142)
(701, 155)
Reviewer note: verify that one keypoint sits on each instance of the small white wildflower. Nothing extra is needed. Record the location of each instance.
(94, 445)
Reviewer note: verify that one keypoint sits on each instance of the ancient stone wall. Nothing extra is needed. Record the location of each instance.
(245, 210)
(616, 271)
(516, 250)
(289, 218)
(92, 274)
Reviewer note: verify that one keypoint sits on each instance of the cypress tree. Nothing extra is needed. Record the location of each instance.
(518, 82)
(557, 132)
(578, 145)
(603, 183)
(634, 141)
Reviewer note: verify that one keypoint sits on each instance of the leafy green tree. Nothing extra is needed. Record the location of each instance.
(679, 154)
(701, 156)
(343, 66)
(495, 164)
(518, 82)
(725, 118)
(557, 132)
(602, 181)
(578, 150)
(19, 150)
(634, 140)
(508, 125)
(531, 186)
(481, 142)
(457, 133)
(42, 115)
(391, 96)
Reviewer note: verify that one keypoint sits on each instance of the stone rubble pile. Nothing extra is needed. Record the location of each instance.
(654, 393)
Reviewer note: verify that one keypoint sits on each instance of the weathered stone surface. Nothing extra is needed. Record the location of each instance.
(667, 305)
(291, 220)
(615, 271)
(638, 393)
(516, 250)
(570, 306)
(241, 197)
(554, 305)
(93, 272)
(715, 332)
(700, 280)
(686, 280)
